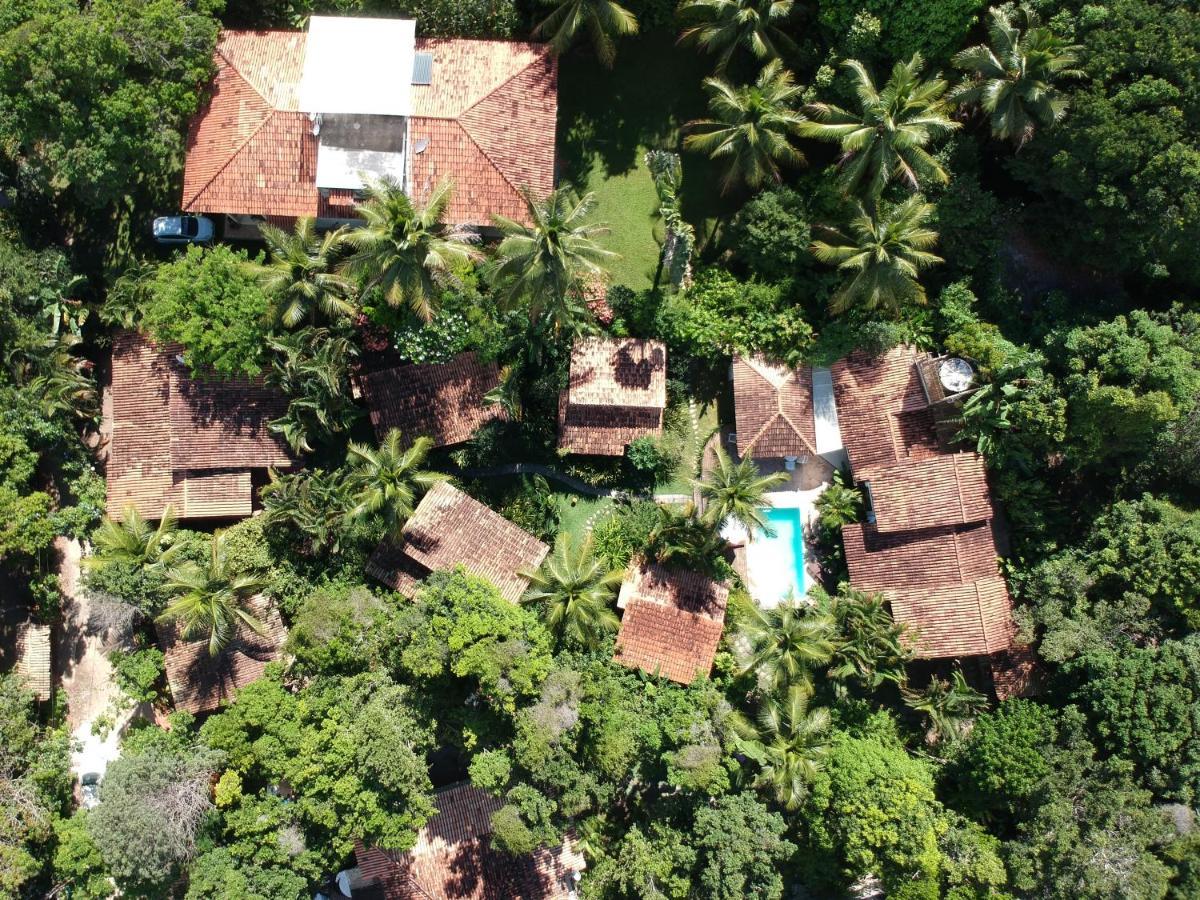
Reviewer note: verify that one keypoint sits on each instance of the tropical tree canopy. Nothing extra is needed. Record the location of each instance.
(209, 600)
(603, 20)
(404, 250)
(721, 26)
(1012, 77)
(883, 254)
(134, 541)
(890, 135)
(751, 127)
(300, 277)
(575, 589)
(791, 744)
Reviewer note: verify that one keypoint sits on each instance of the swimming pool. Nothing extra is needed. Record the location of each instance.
(775, 562)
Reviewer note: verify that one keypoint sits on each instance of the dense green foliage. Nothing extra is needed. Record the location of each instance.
(1019, 186)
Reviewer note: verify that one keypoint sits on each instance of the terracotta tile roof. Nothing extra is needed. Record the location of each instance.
(182, 442)
(453, 858)
(444, 402)
(773, 408)
(882, 409)
(450, 528)
(1015, 672)
(201, 682)
(932, 548)
(951, 489)
(617, 391)
(33, 659)
(489, 117)
(672, 621)
(950, 555)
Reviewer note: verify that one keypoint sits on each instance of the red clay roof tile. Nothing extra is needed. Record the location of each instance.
(773, 409)
(616, 393)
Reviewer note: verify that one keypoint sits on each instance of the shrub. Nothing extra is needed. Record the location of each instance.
(650, 458)
(935, 28)
(625, 533)
(771, 234)
(209, 300)
(138, 673)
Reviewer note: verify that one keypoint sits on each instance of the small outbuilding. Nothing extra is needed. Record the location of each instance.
(617, 393)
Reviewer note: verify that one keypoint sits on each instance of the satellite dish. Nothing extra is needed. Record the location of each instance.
(421, 145)
(956, 375)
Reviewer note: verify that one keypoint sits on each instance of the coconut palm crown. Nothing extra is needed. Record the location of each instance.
(405, 250)
(737, 491)
(576, 590)
(601, 19)
(721, 26)
(1011, 78)
(135, 541)
(884, 254)
(750, 128)
(890, 135)
(209, 600)
(544, 262)
(389, 480)
(300, 277)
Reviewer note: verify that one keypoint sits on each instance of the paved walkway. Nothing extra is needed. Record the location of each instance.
(86, 672)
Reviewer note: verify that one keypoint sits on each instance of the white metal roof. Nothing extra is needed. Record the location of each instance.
(825, 417)
(358, 66)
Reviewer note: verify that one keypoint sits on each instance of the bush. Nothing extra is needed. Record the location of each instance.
(650, 457)
(718, 313)
(138, 673)
(625, 533)
(771, 234)
(934, 28)
(210, 301)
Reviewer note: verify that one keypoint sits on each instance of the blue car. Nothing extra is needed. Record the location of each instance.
(184, 229)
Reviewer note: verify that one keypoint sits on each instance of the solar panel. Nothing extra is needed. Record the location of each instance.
(422, 68)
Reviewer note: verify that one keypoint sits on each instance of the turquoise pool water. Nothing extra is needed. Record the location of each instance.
(776, 561)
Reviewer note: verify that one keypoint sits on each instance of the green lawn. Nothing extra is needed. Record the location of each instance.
(607, 119)
(573, 517)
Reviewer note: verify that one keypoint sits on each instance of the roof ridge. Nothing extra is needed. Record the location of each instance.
(240, 147)
(461, 120)
(242, 75)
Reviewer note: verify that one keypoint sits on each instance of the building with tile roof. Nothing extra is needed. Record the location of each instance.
(930, 540)
(33, 659)
(443, 401)
(773, 409)
(453, 858)
(616, 393)
(672, 621)
(450, 528)
(481, 113)
(201, 682)
(181, 442)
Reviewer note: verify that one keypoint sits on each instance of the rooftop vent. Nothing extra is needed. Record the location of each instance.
(422, 68)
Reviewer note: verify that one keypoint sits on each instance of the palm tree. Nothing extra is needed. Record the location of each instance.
(210, 599)
(750, 128)
(315, 503)
(839, 504)
(576, 589)
(951, 707)
(885, 254)
(312, 367)
(737, 491)
(300, 276)
(889, 135)
(602, 19)
(683, 536)
(389, 480)
(1012, 76)
(546, 262)
(134, 541)
(791, 745)
(870, 647)
(721, 26)
(404, 250)
(780, 647)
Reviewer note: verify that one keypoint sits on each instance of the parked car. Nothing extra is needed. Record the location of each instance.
(184, 229)
(89, 789)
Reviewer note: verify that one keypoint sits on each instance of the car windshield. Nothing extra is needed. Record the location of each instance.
(191, 226)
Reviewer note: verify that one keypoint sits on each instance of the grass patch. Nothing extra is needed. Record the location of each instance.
(609, 118)
(690, 436)
(573, 517)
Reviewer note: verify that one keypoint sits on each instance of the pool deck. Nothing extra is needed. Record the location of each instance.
(805, 501)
